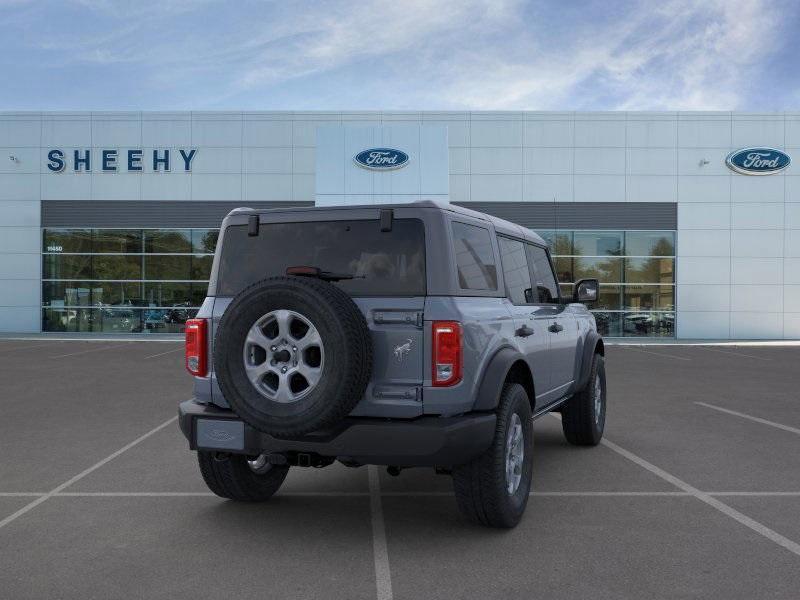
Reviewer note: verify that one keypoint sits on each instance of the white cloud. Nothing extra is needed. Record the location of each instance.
(684, 56)
(460, 54)
(323, 39)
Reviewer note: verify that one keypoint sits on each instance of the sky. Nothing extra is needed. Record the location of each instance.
(400, 55)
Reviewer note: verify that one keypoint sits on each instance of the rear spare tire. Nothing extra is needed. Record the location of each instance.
(292, 355)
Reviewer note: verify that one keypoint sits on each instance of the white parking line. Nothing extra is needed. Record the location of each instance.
(389, 494)
(198, 494)
(742, 354)
(31, 505)
(383, 576)
(657, 353)
(794, 430)
(734, 514)
(755, 494)
(87, 351)
(163, 353)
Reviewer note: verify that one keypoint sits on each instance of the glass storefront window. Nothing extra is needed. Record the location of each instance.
(67, 240)
(152, 280)
(160, 266)
(648, 324)
(117, 266)
(67, 266)
(204, 241)
(650, 270)
(607, 270)
(170, 294)
(123, 241)
(610, 296)
(116, 320)
(636, 270)
(91, 293)
(168, 241)
(124, 280)
(649, 297)
(560, 242)
(650, 243)
(635, 324)
(597, 243)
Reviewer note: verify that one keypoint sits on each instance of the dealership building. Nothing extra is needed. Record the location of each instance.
(690, 220)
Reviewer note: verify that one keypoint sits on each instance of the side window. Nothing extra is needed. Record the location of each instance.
(474, 257)
(542, 271)
(515, 270)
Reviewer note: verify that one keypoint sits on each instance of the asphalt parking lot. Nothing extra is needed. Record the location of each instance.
(694, 494)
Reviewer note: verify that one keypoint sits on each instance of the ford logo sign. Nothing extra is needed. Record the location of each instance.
(758, 161)
(381, 159)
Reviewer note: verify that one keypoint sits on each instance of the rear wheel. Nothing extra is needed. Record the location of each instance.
(583, 417)
(493, 489)
(239, 477)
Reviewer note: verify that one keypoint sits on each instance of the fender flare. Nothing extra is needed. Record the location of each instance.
(591, 345)
(494, 375)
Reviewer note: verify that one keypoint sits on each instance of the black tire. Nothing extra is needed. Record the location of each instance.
(229, 476)
(347, 366)
(582, 423)
(481, 485)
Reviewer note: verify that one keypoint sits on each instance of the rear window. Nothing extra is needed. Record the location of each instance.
(390, 263)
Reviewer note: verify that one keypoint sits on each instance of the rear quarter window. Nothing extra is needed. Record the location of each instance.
(475, 262)
(389, 263)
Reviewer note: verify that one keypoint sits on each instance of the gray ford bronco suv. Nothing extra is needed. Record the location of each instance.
(405, 335)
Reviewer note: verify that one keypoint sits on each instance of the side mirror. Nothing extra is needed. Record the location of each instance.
(586, 291)
(529, 296)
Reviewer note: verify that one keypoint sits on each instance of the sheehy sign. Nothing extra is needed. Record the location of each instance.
(111, 161)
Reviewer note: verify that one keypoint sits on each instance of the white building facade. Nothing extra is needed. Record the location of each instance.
(108, 220)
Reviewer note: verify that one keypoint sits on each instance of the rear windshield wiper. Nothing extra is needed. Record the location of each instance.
(303, 271)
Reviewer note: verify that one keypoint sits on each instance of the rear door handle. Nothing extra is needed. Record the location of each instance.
(555, 328)
(523, 331)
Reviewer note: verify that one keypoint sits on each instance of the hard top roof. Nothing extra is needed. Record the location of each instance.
(500, 225)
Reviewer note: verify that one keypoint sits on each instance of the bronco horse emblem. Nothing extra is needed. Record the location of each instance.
(401, 351)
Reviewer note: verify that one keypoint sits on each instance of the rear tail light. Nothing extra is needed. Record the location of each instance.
(447, 353)
(196, 347)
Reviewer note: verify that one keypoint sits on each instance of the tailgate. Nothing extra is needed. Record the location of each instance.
(396, 325)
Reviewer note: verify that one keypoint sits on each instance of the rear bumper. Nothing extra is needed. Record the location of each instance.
(425, 441)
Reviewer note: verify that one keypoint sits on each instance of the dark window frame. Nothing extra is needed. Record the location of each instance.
(532, 267)
(527, 264)
(487, 291)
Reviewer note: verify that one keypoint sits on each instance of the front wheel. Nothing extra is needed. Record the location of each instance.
(493, 489)
(238, 477)
(583, 417)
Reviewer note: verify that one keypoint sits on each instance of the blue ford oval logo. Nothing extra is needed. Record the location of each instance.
(381, 159)
(758, 161)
